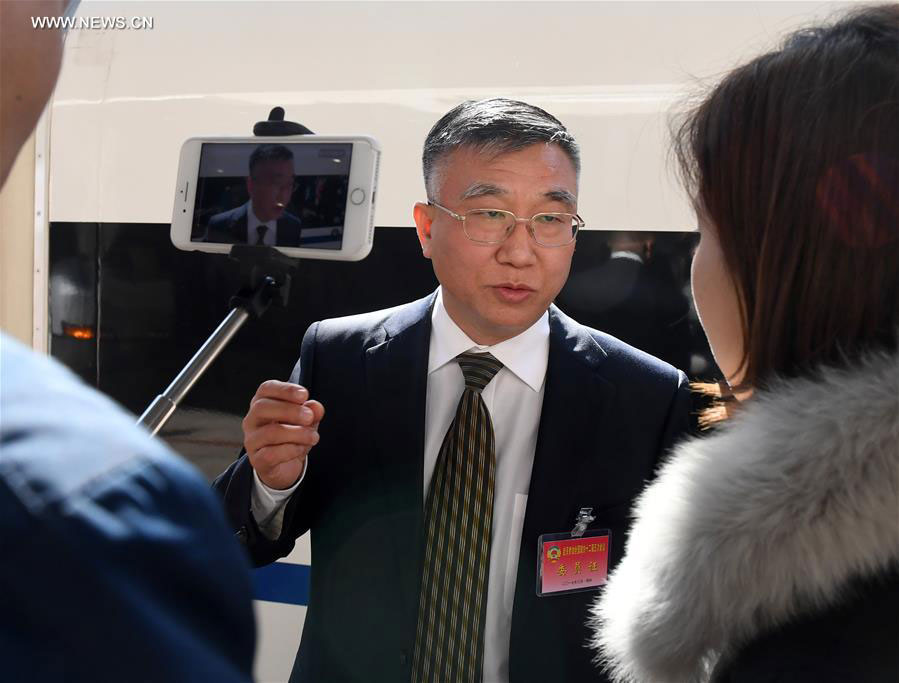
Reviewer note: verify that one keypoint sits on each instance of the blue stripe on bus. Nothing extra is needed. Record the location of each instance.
(282, 582)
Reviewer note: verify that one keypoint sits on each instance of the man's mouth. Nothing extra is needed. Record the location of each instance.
(515, 286)
(513, 292)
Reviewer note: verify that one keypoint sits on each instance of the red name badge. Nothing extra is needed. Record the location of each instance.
(568, 565)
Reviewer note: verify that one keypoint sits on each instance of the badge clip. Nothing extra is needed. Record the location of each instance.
(580, 523)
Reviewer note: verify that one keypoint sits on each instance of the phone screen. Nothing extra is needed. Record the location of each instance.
(281, 194)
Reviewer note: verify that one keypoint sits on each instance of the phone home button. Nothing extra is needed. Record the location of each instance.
(357, 196)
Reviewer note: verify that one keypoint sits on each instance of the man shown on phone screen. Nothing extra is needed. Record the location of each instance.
(264, 218)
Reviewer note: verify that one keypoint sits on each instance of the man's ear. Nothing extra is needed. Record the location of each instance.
(424, 217)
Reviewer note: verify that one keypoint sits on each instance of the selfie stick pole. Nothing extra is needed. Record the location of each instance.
(265, 275)
(164, 405)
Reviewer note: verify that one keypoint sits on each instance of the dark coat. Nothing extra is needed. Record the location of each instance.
(609, 413)
(857, 639)
(230, 227)
(117, 563)
(769, 551)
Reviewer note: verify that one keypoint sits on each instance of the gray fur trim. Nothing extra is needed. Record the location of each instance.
(765, 519)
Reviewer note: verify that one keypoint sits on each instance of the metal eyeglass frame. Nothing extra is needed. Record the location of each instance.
(579, 223)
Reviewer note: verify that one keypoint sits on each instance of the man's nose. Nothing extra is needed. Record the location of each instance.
(518, 249)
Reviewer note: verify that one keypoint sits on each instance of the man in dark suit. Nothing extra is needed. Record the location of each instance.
(264, 219)
(461, 428)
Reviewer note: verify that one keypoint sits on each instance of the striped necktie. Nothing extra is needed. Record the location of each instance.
(449, 642)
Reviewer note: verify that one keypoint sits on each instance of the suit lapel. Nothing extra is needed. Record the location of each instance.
(240, 227)
(572, 404)
(574, 400)
(396, 384)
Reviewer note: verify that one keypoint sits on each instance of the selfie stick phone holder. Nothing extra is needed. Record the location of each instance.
(264, 277)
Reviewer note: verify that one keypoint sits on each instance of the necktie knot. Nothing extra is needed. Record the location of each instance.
(261, 230)
(478, 369)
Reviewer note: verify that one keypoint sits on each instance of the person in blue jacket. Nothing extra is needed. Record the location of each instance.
(117, 564)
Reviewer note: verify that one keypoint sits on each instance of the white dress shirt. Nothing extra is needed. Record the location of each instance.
(514, 399)
(271, 235)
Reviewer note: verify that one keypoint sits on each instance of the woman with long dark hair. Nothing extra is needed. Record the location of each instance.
(768, 550)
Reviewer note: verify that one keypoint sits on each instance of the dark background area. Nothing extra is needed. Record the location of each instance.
(150, 306)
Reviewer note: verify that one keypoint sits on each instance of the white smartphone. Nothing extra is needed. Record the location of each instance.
(310, 196)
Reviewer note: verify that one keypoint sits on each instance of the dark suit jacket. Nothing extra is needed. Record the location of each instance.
(609, 413)
(231, 227)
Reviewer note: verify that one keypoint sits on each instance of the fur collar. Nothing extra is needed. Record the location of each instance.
(766, 518)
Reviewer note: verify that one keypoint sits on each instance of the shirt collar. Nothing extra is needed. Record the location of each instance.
(525, 355)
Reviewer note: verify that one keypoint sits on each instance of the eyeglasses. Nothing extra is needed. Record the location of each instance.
(493, 226)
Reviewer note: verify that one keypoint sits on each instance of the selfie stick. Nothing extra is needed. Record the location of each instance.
(264, 276)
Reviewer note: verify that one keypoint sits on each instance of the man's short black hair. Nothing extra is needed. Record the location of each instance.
(498, 126)
(269, 153)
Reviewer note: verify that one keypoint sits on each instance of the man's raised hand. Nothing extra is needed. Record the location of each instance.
(279, 430)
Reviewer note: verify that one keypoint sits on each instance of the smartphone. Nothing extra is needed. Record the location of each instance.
(310, 196)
